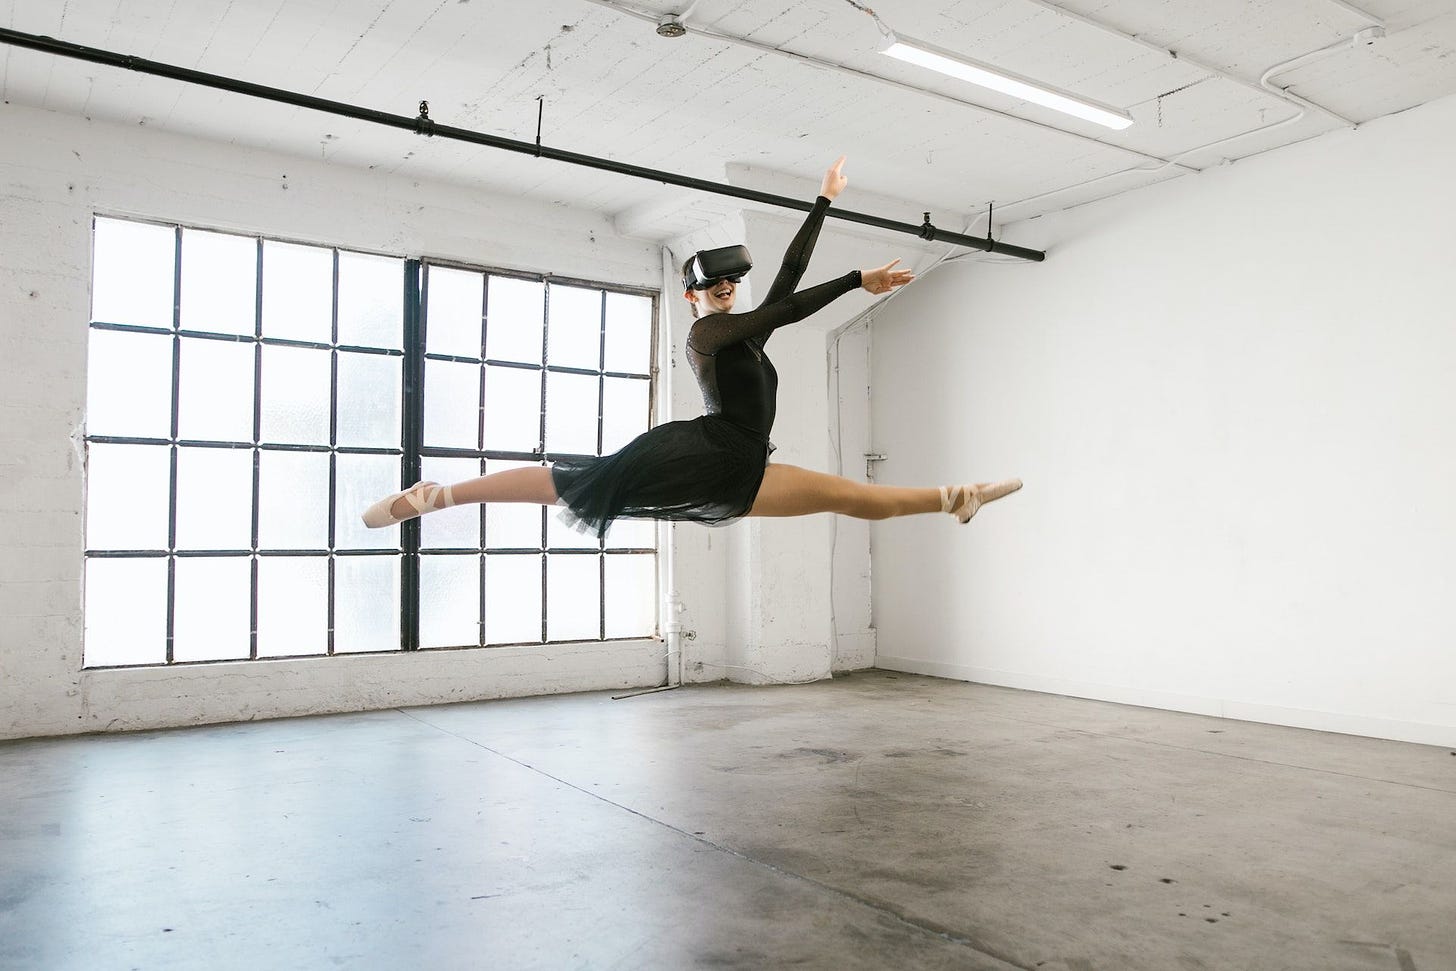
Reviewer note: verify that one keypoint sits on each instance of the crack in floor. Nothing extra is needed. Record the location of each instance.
(918, 924)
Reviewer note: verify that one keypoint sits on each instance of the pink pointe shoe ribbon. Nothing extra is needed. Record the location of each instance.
(963, 501)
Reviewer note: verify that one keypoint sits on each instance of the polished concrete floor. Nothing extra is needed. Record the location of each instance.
(878, 821)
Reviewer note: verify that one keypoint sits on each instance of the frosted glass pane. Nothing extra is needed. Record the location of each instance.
(293, 500)
(361, 481)
(560, 536)
(371, 300)
(629, 333)
(459, 526)
(631, 596)
(454, 302)
(298, 291)
(215, 402)
(513, 598)
(369, 400)
(632, 534)
(219, 283)
(128, 494)
(575, 324)
(134, 273)
(293, 606)
(514, 315)
(129, 385)
(452, 404)
(214, 499)
(571, 414)
(573, 598)
(512, 525)
(449, 601)
(624, 412)
(512, 409)
(126, 612)
(366, 604)
(212, 612)
(296, 388)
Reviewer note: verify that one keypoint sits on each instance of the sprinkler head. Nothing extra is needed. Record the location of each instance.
(670, 26)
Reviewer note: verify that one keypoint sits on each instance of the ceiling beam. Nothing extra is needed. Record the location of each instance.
(424, 125)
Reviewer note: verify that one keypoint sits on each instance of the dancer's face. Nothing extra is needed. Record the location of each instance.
(717, 299)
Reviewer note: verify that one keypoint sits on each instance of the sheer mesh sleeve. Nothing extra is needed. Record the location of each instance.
(711, 334)
(796, 257)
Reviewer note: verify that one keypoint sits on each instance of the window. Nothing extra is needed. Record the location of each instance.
(515, 368)
(248, 397)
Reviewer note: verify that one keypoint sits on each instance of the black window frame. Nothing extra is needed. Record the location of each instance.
(411, 450)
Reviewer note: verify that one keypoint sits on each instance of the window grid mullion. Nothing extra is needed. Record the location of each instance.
(416, 331)
(257, 452)
(172, 448)
(480, 510)
(248, 446)
(601, 432)
(481, 376)
(330, 591)
(541, 448)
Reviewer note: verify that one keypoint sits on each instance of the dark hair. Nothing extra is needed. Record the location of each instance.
(687, 272)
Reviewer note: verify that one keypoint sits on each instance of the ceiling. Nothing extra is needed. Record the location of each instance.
(763, 90)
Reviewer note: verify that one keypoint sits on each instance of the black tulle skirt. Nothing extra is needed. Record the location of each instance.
(707, 470)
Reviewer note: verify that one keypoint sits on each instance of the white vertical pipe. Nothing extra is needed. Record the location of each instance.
(672, 605)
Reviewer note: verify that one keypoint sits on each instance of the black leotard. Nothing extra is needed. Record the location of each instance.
(726, 352)
(708, 469)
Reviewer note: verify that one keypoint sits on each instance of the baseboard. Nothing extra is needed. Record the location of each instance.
(1323, 721)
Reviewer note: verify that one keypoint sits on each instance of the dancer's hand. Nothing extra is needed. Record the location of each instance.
(885, 278)
(834, 180)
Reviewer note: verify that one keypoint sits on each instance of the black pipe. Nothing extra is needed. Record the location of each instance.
(423, 125)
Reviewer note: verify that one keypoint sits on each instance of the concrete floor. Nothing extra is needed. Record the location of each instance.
(876, 821)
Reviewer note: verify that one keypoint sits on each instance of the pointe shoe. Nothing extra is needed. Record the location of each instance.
(963, 501)
(433, 497)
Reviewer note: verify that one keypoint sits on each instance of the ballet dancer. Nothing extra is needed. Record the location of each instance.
(714, 469)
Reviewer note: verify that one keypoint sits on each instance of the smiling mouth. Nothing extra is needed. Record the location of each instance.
(724, 293)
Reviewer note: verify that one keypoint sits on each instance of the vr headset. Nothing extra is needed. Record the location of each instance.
(709, 266)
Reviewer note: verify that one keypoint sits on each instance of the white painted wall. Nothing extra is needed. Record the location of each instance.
(1231, 398)
(55, 172)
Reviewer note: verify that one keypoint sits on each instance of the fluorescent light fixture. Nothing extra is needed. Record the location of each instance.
(937, 59)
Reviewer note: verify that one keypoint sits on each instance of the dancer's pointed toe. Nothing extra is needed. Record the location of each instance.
(381, 514)
(963, 501)
(999, 490)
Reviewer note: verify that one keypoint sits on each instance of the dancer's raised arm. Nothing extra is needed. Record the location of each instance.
(801, 247)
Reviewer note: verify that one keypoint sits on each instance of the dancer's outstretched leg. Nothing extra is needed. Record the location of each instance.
(788, 490)
(512, 485)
